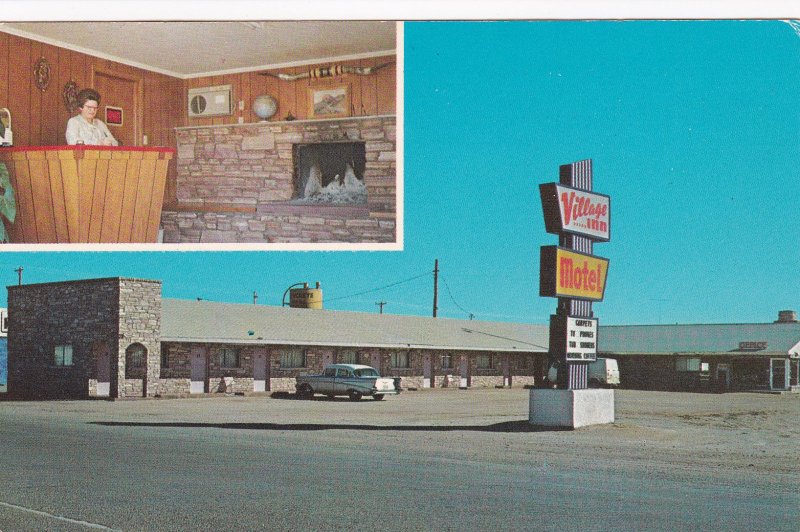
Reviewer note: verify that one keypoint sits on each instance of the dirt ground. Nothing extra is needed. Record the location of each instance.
(671, 461)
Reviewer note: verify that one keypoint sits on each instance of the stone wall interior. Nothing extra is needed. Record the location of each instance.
(236, 183)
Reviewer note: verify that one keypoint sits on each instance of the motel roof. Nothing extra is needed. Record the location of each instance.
(212, 322)
(761, 339)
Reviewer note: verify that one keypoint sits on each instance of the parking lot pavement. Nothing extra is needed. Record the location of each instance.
(416, 461)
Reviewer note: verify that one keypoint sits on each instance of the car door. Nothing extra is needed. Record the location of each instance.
(343, 375)
(327, 384)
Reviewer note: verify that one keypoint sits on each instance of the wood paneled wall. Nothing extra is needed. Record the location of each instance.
(370, 95)
(40, 117)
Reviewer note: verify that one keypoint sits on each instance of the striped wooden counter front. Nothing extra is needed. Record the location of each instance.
(87, 194)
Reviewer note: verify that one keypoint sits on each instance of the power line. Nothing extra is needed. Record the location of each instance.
(379, 288)
(465, 311)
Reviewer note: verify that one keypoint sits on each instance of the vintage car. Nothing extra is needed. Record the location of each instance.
(352, 380)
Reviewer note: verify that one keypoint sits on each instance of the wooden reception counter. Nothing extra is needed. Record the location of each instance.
(87, 194)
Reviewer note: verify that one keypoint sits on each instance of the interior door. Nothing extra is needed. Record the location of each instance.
(121, 93)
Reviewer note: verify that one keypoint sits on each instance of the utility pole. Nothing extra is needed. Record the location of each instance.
(19, 274)
(435, 286)
(380, 304)
(255, 297)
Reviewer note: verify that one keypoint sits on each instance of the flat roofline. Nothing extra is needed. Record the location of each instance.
(84, 281)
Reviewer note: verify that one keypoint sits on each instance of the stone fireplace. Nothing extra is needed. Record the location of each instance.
(301, 181)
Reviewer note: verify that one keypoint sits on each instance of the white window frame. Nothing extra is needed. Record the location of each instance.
(63, 356)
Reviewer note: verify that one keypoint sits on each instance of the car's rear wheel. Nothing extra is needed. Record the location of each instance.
(305, 391)
(378, 396)
(354, 395)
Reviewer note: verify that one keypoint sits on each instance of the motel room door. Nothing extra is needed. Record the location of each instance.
(260, 372)
(427, 371)
(778, 374)
(120, 91)
(103, 358)
(198, 371)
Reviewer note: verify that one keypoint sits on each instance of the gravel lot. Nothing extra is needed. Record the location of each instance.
(443, 459)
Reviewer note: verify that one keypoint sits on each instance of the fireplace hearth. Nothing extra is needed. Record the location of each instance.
(329, 172)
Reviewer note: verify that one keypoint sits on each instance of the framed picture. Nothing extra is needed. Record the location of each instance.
(113, 116)
(329, 102)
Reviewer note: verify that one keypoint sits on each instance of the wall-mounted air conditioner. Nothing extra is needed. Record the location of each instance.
(210, 101)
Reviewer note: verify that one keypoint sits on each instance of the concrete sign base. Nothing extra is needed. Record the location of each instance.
(571, 408)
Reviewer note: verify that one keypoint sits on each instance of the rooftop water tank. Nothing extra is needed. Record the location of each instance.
(305, 297)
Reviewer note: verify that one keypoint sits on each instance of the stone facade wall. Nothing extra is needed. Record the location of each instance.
(252, 165)
(94, 317)
(83, 314)
(240, 380)
(140, 323)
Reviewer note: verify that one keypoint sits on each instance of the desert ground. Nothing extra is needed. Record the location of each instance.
(424, 460)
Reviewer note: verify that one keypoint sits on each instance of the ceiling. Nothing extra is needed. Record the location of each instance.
(194, 49)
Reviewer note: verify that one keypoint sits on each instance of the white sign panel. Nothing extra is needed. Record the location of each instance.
(581, 339)
(571, 210)
(584, 212)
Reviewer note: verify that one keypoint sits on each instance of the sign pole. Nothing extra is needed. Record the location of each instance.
(577, 175)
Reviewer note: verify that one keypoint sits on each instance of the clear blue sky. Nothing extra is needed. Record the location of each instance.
(694, 130)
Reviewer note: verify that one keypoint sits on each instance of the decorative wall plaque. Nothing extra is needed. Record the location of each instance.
(41, 73)
(70, 95)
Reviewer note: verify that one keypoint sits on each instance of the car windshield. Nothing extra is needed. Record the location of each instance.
(366, 372)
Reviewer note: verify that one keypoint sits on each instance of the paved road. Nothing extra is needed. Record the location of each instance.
(451, 460)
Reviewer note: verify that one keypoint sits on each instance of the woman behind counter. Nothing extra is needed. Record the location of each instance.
(85, 128)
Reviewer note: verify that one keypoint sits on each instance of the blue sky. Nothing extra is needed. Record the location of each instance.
(694, 131)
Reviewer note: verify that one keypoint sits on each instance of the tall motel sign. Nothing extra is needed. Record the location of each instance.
(570, 272)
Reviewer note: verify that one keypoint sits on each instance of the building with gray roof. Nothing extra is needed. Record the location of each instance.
(117, 337)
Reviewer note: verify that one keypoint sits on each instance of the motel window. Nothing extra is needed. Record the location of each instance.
(447, 361)
(63, 355)
(485, 362)
(399, 359)
(164, 356)
(687, 364)
(135, 355)
(347, 356)
(293, 358)
(228, 357)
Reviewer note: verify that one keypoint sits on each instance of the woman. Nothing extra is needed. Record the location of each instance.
(85, 128)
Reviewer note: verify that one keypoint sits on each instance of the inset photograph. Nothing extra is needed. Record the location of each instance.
(200, 135)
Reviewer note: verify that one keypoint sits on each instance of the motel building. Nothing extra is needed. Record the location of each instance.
(118, 338)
